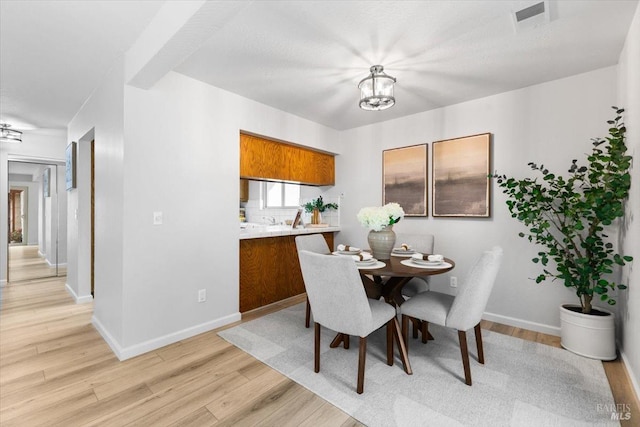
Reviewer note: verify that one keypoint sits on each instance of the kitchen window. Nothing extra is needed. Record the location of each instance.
(279, 195)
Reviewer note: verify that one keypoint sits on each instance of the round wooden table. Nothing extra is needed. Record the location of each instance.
(398, 275)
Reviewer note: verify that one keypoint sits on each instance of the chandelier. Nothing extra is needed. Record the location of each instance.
(9, 135)
(376, 90)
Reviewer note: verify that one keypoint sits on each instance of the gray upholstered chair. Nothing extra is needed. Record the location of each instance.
(339, 302)
(462, 312)
(312, 243)
(422, 243)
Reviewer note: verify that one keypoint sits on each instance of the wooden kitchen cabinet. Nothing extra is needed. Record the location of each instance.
(270, 271)
(244, 190)
(265, 159)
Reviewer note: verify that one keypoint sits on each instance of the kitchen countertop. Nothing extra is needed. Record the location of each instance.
(282, 230)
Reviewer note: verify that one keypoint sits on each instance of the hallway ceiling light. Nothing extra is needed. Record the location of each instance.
(376, 90)
(9, 135)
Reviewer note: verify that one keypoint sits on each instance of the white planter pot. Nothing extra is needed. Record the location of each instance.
(588, 335)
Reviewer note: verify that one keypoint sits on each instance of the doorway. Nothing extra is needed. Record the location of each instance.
(34, 221)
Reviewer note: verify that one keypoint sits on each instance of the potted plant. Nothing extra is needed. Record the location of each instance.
(568, 217)
(317, 206)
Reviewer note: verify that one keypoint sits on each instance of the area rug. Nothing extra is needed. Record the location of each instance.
(522, 383)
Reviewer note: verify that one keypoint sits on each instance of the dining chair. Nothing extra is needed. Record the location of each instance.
(462, 312)
(312, 243)
(339, 302)
(422, 243)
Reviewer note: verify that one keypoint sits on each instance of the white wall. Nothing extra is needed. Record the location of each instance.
(178, 154)
(36, 145)
(550, 123)
(102, 118)
(629, 98)
(54, 229)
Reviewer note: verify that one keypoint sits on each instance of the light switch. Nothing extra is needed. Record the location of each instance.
(157, 218)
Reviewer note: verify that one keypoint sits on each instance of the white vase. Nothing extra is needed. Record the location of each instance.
(589, 335)
(381, 242)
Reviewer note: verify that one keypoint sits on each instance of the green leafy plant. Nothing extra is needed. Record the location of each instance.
(568, 216)
(319, 204)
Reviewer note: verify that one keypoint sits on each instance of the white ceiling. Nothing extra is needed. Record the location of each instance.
(307, 57)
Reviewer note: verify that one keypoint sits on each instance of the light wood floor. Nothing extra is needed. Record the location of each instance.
(55, 369)
(25, 263)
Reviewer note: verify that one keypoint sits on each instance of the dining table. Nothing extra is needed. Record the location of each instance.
(390, 276)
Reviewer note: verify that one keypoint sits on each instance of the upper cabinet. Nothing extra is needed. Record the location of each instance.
(262, 158)
(244, 190)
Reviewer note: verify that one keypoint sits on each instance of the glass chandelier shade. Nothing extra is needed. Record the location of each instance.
(376, 90)
(9, 135)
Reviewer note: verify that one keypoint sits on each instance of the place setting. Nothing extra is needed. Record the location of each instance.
(403, 250)
(362, 259)
(433, 261)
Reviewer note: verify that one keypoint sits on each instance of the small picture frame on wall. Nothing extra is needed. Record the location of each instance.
(460, 176)
(46, 182)
(404, 178)
(70, 166)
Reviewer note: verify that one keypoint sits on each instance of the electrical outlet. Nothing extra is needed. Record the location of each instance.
(202, 295)
(453, 281)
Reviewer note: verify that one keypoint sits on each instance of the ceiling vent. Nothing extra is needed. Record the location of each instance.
(531, 16)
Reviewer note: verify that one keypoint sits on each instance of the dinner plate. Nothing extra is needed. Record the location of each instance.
(367, 261)
(350, 252)
(410, 263)
(402, 255)
(426, 262)
(345, 253)
(404, 251)
(378, 264)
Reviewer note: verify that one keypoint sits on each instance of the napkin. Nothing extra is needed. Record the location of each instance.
(433, 258)
(403, 247)
(347, 248)
(362, 256)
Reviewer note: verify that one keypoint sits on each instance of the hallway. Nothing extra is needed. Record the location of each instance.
(25, 263)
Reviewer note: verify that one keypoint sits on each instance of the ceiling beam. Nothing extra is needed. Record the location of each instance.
(178, 30)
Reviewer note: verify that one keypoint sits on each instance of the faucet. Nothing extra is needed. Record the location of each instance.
(271, 219)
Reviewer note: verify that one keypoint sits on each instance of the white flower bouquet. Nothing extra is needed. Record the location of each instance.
(376, 218)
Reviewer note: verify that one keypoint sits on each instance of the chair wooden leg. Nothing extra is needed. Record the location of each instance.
(345, 341)
(479, 343)
(307, 316)
(462, 336)
(361, 360)
(316, 350)
(416, 324)
(425, 332)
(390, 343)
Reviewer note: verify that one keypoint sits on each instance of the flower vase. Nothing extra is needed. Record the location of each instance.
(381, 242)
(316, 218)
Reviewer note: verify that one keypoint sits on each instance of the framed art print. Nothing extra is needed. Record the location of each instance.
(46, 184)
(404, 176)
(460, 176)
(70, 166)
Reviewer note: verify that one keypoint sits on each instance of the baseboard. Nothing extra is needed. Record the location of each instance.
(519, 323)
(50, 264)
(631, 374)
(124, 353)
(78, 299)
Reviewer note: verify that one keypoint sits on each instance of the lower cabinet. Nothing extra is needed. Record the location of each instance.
(270, 271)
